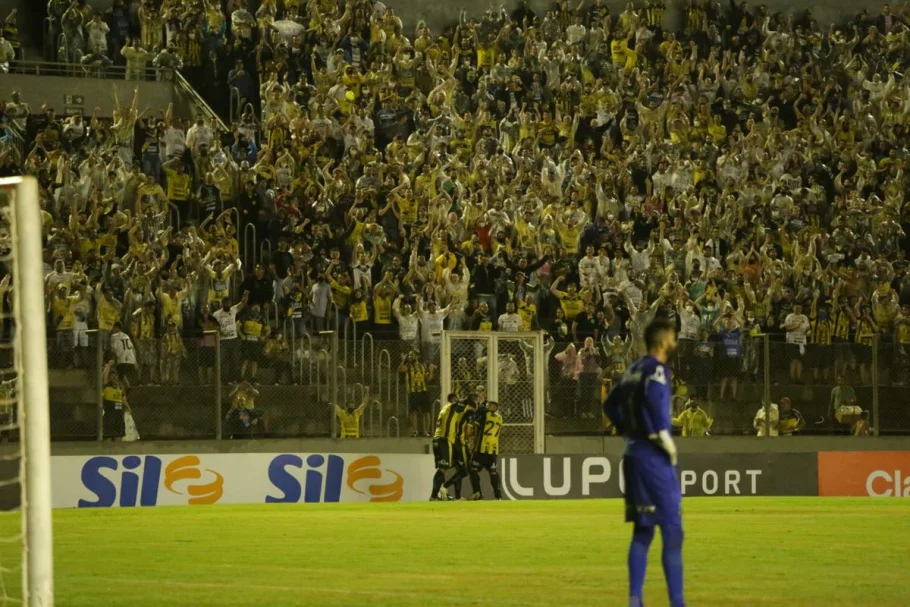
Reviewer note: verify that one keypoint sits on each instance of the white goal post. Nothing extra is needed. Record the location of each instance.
(517, 380)
(25, 224)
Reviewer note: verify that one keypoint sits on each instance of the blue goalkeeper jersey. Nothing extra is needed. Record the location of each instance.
(639, 405)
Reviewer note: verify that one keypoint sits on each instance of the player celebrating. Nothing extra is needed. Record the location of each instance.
(487, 427)
(640, 408)
(444, 441)
(463, 437)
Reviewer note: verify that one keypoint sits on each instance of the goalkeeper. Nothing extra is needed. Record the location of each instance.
(640, 408)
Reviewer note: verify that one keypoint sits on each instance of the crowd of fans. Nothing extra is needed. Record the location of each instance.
(574, 170)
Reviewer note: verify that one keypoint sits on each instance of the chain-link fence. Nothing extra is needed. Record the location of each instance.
(838, 388)
(721, 384)
(74, 383)
(287, 385)
(516, 393)
(403, 380)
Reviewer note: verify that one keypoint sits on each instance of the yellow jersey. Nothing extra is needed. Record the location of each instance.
(143, 326)
(527, 312)
(841, 324)
(447, 423)
(108, 314)
(407, 210)
(489, 427)
(618, 48)
(170, 307)
(572, 305)
(821, 331)
(252, 329)
(172, 344)
(112, 394)
(350, 422)
(902, 328)
(178, 186)
(416, 375)
(63, 313)
(358, 311)
(382, 310)
(340, 294)
(693, 423)
(864, 333)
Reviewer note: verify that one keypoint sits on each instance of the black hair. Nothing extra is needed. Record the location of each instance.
(655, 330)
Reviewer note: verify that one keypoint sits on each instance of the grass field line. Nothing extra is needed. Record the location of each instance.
(303, 589)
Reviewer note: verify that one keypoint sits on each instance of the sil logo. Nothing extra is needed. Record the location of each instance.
(320, 478)
(364, 476)
(188, 468)
(139, 481)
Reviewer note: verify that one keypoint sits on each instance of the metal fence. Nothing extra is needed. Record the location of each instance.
(289, 384)
(762, 385)
(119, 72)
(71, 69)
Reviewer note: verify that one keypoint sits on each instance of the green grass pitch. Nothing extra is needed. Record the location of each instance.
(739, 551)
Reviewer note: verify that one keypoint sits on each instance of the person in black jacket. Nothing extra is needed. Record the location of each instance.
(483, 283)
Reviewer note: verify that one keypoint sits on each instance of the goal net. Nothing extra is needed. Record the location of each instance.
(26, 552)
(504, 367)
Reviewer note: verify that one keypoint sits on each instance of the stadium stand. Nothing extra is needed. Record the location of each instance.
(574, 170)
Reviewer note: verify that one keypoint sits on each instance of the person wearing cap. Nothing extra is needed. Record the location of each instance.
(693, 420)
(791, 420)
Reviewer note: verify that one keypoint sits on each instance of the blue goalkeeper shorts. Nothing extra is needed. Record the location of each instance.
(652, 491)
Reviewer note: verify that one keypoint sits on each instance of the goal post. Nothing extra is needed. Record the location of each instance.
(24, 259)
(509, 367)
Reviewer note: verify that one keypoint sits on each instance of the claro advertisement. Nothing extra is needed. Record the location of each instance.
(864, 473)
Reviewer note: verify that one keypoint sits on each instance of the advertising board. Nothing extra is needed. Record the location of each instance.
(600, 476)
(238, 478)
(244, 478)
(864, 473)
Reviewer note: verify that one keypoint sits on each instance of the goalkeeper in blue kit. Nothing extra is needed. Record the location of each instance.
(639, 406)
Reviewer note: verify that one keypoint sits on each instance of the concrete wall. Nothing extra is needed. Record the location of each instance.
(590, 445)
(53, 90)
(438, 14)
(305, 445)
(555, 445)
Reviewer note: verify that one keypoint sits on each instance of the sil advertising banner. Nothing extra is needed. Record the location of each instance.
(238, 478)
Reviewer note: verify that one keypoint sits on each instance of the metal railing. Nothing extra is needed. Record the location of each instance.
(184, 87)
(397, 428)
(249, 245)
(235, 107)
(70, 69)
(65, 69)
(767, 387)
(364, 369)
(15, 139)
